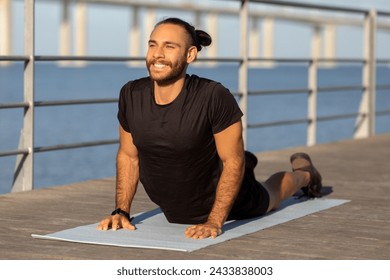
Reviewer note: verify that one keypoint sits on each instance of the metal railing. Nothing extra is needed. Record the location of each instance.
(365, 118)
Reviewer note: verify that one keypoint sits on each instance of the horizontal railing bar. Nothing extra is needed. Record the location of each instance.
(337, 117)
(279, 59)
(382, 113)
(14, 58)
(204, 59)
(60, 147)
(340, 88)
(59, 103)
(114, 100)
(381, 87)
(278, 91)
(383, 61)
(304, 90)
(13, 152)
(115, 141)
(277, 123)
(221, 59)
(298, 121)
(239, 94)
(341, 60)
(14, 105)
(87, 58)
(75, 145)
(311, 6)
(306, 60)
(383, 13)
(75, 102)
(121, 58)
(232, 11)
(320, 118)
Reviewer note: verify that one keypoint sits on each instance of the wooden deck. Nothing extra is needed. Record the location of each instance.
(358, 170)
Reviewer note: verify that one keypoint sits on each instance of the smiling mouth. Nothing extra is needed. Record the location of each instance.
(159, 65)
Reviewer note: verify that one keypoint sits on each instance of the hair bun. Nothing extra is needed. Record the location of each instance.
(202, 39)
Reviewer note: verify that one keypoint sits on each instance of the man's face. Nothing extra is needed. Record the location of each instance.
(166, 58)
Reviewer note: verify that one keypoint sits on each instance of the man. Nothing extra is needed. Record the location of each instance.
(181, 136)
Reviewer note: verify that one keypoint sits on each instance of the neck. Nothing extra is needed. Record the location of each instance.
(166, 93)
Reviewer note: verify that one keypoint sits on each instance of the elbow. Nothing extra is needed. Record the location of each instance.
(124, 157)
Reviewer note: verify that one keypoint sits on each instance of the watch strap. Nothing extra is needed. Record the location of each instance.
(123, 213)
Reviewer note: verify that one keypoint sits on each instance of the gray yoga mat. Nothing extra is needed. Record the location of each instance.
(154, 232)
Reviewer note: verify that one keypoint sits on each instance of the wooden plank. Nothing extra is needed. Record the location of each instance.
(355, 169)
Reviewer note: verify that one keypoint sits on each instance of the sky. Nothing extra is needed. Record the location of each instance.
(107, 32)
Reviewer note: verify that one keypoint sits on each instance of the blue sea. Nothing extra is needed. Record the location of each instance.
(80, 123)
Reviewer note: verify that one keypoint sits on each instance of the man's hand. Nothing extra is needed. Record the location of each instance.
(203, 231)
(115, 222)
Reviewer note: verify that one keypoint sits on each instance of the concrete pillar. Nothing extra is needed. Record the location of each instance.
(268, 40)
(330, 44)
(65, 32)
(198, 25)
(316, 42)
(135, 37)
(81, 31)
(212, 29)
(198, 19)
(150, 21)
(254, 41)
(5, 29)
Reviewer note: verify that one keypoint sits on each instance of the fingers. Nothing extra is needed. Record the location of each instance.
(202, 231)
(126, 224)
(115, 222)
(105, 224)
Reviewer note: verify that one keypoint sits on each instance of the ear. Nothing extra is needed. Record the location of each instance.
(191, 54)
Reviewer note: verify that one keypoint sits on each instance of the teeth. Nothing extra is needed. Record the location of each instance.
(158, 65)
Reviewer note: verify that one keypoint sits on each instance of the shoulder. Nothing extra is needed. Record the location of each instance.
(196, 81)
(137, 85)
(205, 85)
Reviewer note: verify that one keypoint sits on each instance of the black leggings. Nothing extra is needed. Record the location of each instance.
(253, 199)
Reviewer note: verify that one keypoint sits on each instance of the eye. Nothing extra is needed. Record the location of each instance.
(170, 46)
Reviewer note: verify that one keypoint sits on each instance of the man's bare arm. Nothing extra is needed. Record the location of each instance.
(127, 176)
(231, 151)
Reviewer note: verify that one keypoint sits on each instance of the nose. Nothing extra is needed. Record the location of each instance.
(158, 52)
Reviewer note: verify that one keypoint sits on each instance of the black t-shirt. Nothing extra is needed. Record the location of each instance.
(179, 165)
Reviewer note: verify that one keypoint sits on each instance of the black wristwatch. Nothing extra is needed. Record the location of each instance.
(121, 212)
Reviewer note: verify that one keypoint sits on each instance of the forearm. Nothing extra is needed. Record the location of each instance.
(227, 190)
(126, 180)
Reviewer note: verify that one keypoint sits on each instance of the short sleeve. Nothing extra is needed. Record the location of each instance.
(223, 110)
(122, 105)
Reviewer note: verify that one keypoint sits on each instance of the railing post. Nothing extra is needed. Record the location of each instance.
(329, 44)
(312, 85)
(134, 38)
(81, 31)
(268, 41)
(365, 122)
(24, 171)
(5, 29)
(65, 32)
(254, 40)
(149, 22)
(243, 68)
(212, 24)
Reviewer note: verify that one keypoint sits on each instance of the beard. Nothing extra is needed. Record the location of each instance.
(173, 72)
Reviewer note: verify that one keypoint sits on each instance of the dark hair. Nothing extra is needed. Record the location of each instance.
(199, 38)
